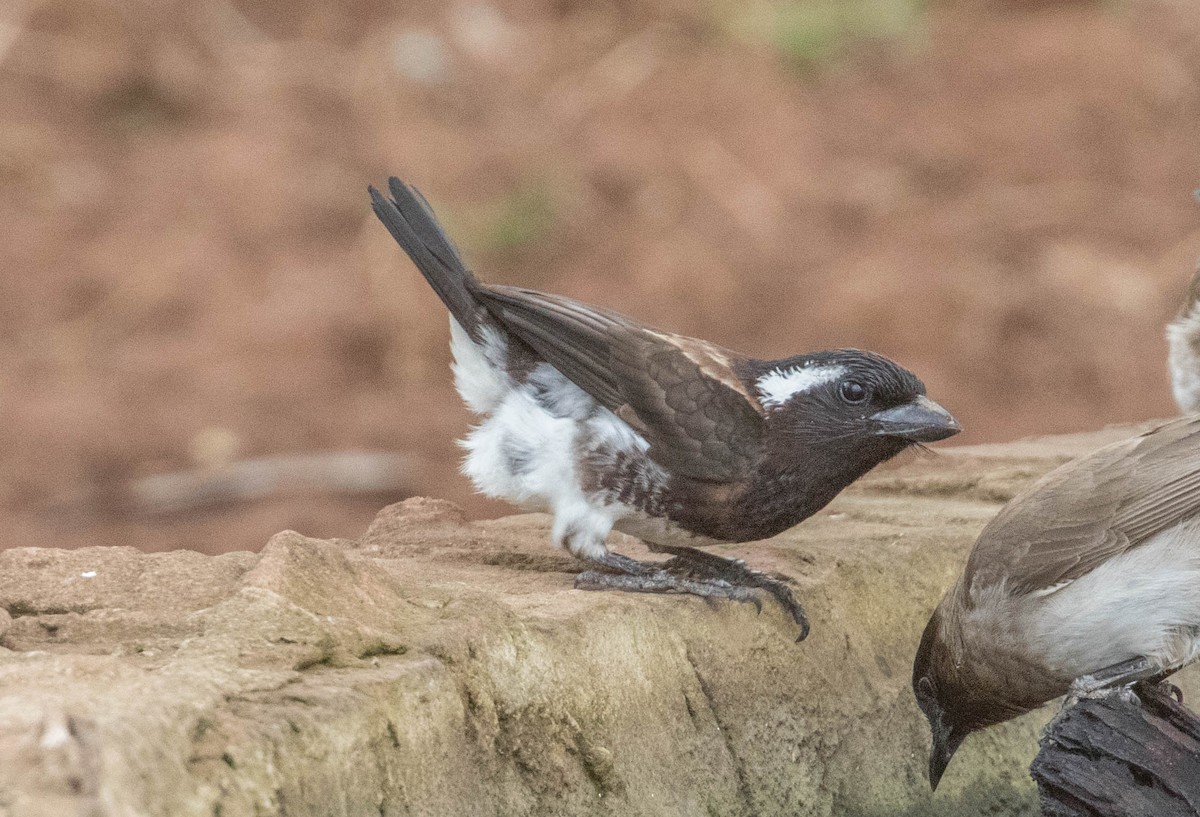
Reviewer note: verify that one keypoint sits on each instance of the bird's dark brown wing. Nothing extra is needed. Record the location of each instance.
(1094, 508)
(680, 394)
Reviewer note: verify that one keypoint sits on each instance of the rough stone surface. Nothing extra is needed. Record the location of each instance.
(438, 666)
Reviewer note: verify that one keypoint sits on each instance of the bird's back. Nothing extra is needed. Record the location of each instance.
(1095, 564)
(1091, 510)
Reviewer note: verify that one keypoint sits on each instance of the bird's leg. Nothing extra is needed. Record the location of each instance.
(1120, 677)
(622, 573)
(616, 563)
(699, 564)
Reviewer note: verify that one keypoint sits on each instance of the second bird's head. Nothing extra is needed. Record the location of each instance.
(959, 694)
(940, 694)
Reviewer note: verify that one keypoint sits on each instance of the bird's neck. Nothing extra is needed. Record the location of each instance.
(793, 488)
(992, 659)
(792, 483)
(788, 495)
(774, 499)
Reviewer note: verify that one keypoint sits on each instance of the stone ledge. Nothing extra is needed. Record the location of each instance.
(438, 666)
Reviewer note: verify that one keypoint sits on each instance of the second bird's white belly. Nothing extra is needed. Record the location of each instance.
(1145, 602)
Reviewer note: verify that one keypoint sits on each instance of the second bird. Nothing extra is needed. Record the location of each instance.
(607, 423)
(1087, 581)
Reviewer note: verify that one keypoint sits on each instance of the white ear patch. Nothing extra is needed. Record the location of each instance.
(777, 387)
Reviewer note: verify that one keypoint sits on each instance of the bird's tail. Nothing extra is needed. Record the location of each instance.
(411, 221)
(1183, 342)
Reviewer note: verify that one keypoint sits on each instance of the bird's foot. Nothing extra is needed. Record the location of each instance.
(653, 579)
(1126, 694)
(701, 564)
(623, 565)
(696, 573)
(1118, 679)
(1172, 690)
(1084, 687)
(1079, 693)
(1158, 687)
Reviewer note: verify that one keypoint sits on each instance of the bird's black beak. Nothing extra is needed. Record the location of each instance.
(920, 420)
(945, 743)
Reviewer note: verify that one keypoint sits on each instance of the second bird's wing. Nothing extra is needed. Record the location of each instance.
(1094, 508)
(679, 393)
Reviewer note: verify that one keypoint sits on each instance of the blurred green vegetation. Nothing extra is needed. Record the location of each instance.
(517, 220)
(139, 105)
(809, 34)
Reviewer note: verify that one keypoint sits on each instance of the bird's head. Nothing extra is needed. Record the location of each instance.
(940, 694)
(859, 405)
(963, 686)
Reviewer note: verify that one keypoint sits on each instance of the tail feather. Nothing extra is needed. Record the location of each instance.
(411, 221)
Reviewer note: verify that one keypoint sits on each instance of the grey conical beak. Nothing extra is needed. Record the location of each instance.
(920, 420)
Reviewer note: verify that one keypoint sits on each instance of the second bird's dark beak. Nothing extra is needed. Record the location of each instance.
(945, 744)
(920, 420)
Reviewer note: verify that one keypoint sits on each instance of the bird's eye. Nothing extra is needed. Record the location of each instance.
(853, 392)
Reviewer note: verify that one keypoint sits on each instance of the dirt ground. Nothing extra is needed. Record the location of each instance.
(997, 194)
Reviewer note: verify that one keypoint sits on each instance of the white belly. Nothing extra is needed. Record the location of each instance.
(528, 448)
(1143, 603)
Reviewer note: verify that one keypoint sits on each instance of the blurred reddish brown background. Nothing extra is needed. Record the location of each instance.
(998, 194)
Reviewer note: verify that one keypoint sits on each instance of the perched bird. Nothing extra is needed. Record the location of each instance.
(1183, 344)
(1087, 581)
(606, 423)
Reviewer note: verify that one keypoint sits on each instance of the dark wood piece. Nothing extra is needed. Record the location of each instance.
(1115, 757)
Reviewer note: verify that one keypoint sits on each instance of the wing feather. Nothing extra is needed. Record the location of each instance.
(698, 425)
(1091, 509)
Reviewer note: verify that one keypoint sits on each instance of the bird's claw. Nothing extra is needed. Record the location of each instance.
(1117, 679)
(1127, 695)
(1161, 687)
(1174, 691)
(1084, 688)
(698, 563)
(747, 597)
(695, 573)
(590, 580)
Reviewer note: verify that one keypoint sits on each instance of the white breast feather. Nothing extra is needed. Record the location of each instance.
(526, 449)
(778, 386)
